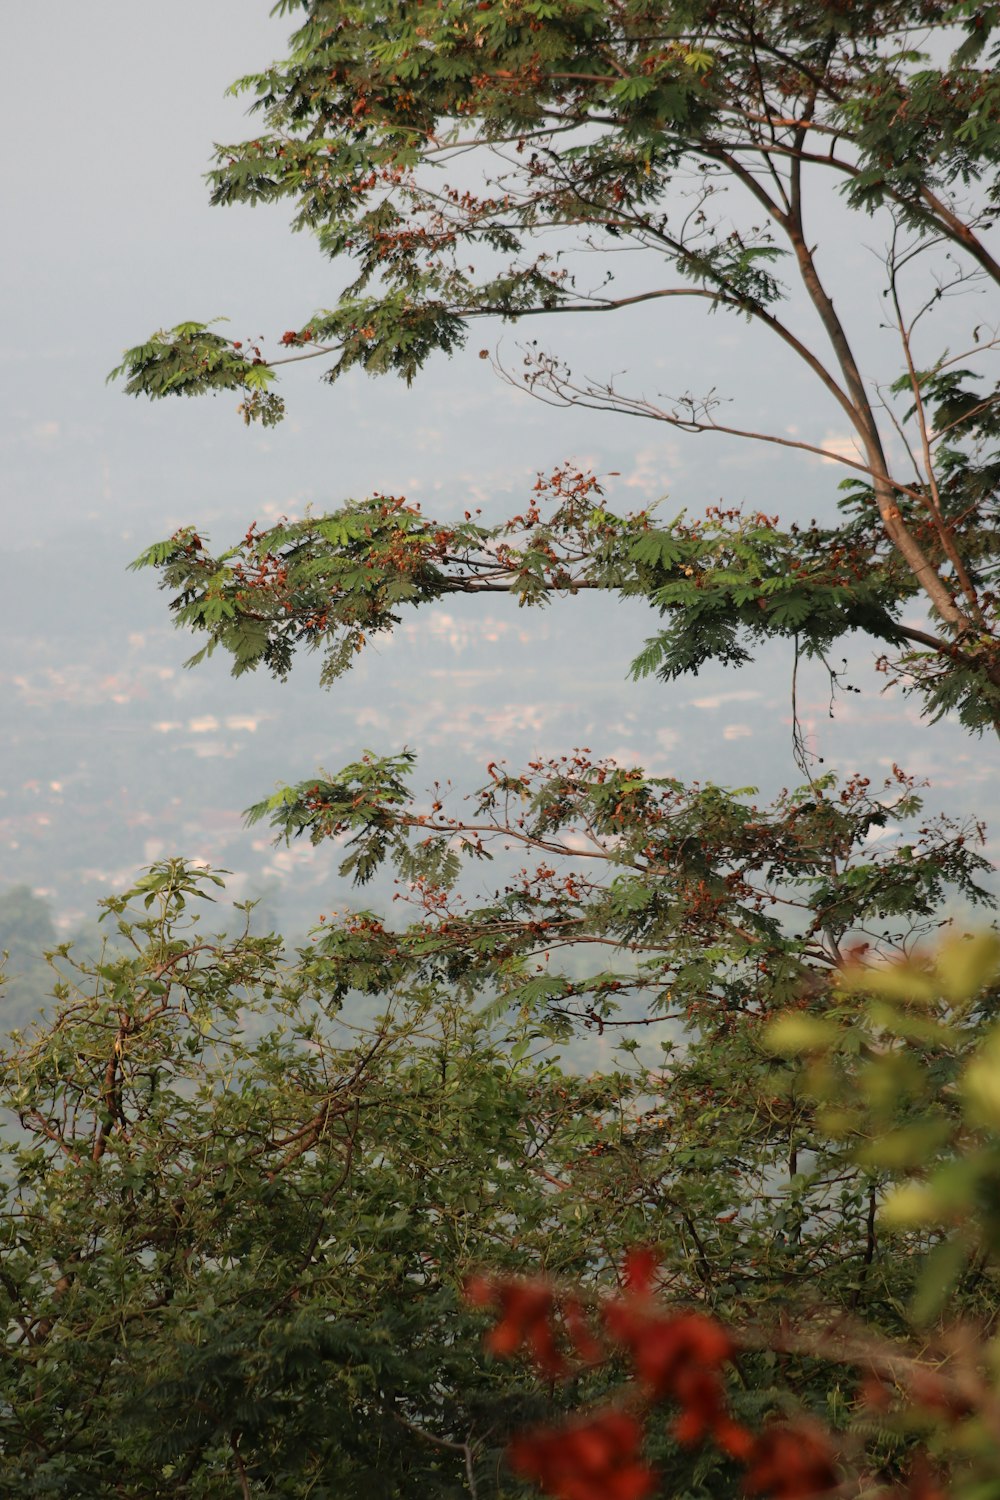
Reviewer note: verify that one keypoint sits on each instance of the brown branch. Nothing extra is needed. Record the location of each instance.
(864, 420)
(959, 231)
(467, 1449)
(608, 399)
(240, 1467)
(933, 500)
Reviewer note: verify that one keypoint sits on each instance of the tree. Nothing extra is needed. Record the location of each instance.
(702, 135)
(234, 1227)
(905, 1073)
(236, 1224)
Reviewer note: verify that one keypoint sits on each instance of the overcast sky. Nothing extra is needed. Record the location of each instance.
(110, 112)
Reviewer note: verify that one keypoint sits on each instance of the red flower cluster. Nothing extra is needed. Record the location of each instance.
(526, 1309)
(678, 1357)
(681, 1358)
(597, 1459)
(675, 1356)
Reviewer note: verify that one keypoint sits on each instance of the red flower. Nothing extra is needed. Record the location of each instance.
(733, 1439)
(681, 1357)
(667, 1350)
(597, 1459)
(639, 1270)
(526, 1309)
(791, 1463)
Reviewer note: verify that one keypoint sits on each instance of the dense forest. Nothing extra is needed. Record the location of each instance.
(622, 1135)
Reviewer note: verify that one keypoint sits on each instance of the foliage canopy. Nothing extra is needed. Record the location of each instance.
(243, 1187)
(699, 136)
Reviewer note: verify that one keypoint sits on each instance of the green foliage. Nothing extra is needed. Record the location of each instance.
(631, 96)
(238, 1219)
(596, 120)
(235, 1229)
(904, 1065)
(710, 914)
(637, 92)
(236, 1225)
(189, 360)
(726, 583)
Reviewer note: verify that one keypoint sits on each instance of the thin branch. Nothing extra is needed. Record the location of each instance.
(467, 1449)
(933, 500)
(606, 398)
(240, 1468)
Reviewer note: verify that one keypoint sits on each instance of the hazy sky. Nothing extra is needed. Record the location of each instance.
(110, 111)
